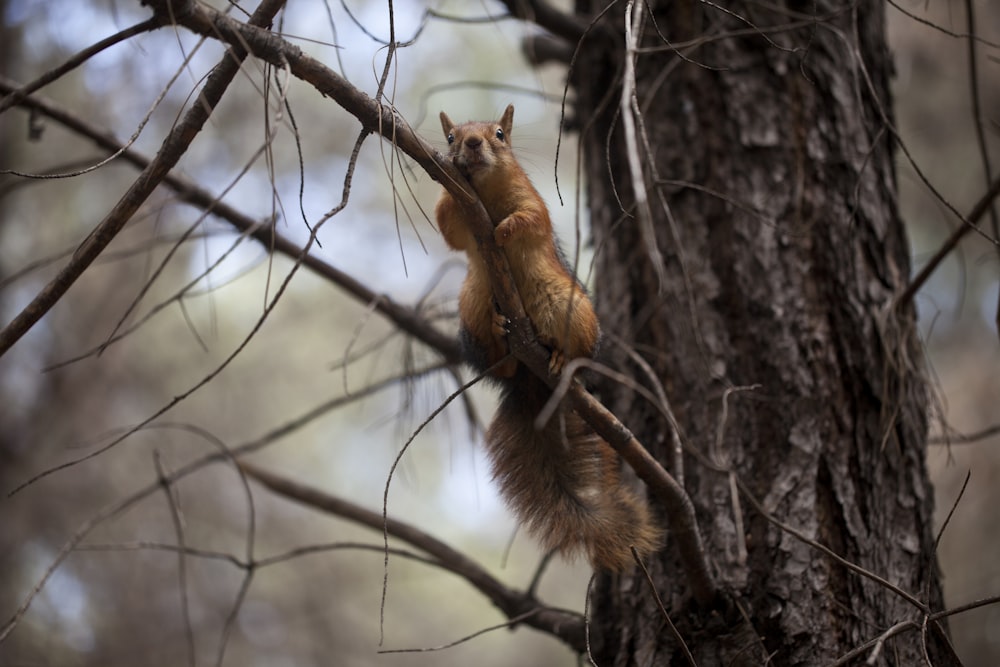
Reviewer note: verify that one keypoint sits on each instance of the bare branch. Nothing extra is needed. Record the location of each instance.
(544, 15)
(630, 115)
(407, 319)
(881, 581)
(182, 580)
(942, 29)
(375, 117)
(978, 124)
(173, 147)
(14, 97)
(965, 439)
(663, 610)
(969, 223)
(510, 624)
(675, 500)
(516, 605)
(903, 626)
(119, 506)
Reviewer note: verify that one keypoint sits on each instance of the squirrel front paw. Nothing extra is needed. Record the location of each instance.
(501, 325)
(503, 232)
(557, 358)
(557, 361)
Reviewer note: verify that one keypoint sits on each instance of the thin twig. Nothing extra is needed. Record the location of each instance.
(244, 449)
(868, 574)
(375, 117)
(630, 106)
(965, 438)
(211, 375)
(663, 610)
(509, 624)
(189, 192)
(977, 122)
(173, 147)
(182, 583)
(516, 605)
(970, 222)
(14, 97)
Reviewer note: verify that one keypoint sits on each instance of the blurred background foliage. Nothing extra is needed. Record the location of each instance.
(118, 601)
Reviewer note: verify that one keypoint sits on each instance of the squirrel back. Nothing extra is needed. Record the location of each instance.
(561, 481)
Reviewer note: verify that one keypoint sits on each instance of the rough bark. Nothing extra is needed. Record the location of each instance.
(782, 251)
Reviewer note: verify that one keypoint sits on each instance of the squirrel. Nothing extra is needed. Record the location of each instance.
(562, 482)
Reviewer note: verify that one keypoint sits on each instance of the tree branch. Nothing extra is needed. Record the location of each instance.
(16, 95)
(173, 147)
(514, 604)
(968, 224)
(404, 317)
(376, 117)
(224, 455)
(544, 15)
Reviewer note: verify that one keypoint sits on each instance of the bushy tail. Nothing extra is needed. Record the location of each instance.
(563, 482)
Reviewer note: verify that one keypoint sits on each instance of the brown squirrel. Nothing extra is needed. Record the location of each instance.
(562, 481)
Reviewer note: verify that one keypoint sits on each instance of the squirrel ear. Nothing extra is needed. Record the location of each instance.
(446, 124)
(507, 121)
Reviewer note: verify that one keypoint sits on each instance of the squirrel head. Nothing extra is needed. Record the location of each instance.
(478, 147)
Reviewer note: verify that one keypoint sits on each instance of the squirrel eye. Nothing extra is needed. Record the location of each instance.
(451, 138)
(499, 134)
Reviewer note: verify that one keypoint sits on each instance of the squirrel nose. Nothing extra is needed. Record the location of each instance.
(473, 142)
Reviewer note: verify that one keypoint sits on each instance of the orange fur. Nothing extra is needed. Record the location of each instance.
(562, 481)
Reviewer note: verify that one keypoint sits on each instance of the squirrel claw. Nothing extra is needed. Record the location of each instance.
(501, 325)
(557, 361)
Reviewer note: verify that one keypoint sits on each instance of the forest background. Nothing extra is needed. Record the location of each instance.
(178, 292)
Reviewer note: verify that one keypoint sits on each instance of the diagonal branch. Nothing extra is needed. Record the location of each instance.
(544, 15)
(513, 603)
(375, 117)
(15, 96)
(406, 318)
(969, 223)
(173, 147)
(273, 436)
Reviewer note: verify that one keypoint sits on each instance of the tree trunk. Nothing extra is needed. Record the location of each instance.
(773, 197)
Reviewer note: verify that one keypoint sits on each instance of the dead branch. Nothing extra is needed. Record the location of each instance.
(406, 318)
(515, 604)
(174, 146)
(969, 223)
(544, 15)
(171, 478)
(17, 95)
(378, 118)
